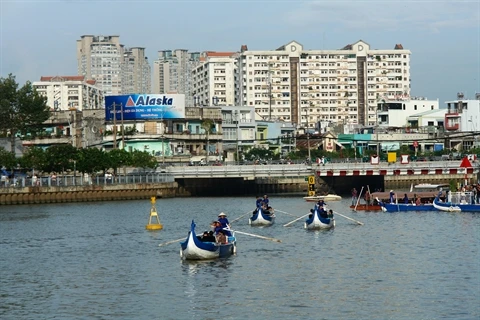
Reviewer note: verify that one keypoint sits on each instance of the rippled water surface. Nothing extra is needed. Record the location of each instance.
(96, 260)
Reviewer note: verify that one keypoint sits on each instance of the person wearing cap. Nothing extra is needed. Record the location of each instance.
(222, 218)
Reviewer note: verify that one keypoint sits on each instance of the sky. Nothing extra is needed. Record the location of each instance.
(38, 37)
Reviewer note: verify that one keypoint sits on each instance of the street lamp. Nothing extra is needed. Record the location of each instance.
(308, 137)
(237, 119)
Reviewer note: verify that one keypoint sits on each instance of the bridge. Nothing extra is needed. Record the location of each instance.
(328, 170)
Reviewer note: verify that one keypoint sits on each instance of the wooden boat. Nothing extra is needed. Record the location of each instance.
(328, 197)
(194, 249)
(262, 218)
(316, 222)
(364, 207)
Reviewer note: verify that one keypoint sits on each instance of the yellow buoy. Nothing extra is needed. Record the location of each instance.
(155, 225)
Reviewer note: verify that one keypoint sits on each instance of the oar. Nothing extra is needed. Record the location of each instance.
(286, 213)
(173, 241)
(243, 215)
(341, 215)
(257, 236)
(358, 199)
(286, 225)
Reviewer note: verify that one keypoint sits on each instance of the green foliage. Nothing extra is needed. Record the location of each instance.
(7, 159)
(143, 159)
(259, 153)
(61, 157)
(34, 157)
(91, 160)
(118, 158)
(453, 186)
(21, 110)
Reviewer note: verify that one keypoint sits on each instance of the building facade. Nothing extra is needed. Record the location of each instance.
(70, 92)
(115, 69)
(395, 113)
(309, 86)
(136, 73)
(172, 73)
(213, 79)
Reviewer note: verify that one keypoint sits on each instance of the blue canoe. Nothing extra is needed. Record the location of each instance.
(317, 222)
(261, 218)
(195, 249)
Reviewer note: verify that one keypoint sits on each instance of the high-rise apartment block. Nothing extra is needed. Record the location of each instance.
(172, 73)
(136, 73)
(310, 86)
(214, 79)
(115, 69)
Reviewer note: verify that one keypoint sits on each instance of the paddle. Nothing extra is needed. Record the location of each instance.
(173, 241)
(286, 225)
(257, 236)
(243, 215)
(341, 215)
(286, 213)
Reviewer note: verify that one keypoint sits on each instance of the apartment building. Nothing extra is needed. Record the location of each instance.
(310, 86)
(213, 79)
(136, 73)
(67, 92)
(172, 73)
(116, 69)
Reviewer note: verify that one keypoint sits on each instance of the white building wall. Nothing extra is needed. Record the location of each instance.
(63, 95)
(398, 117)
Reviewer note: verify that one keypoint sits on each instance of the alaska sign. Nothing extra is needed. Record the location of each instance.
(143, 106)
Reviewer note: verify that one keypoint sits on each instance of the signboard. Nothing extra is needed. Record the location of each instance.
(311, 193)
(311, 180)
(145, 106)
(311, 187)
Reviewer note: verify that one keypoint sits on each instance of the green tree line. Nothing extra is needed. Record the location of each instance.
(62, 158)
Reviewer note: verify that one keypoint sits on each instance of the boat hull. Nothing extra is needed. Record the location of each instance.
(316, 222)
(260, 218)
(194, 249)
(402, 207)
(328, 197)
(364, 207)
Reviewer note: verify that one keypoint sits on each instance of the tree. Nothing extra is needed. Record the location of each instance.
(91, 160)
(7, 159)
(61, 157)
(34, 157)
(118, 158)
(21, 110)
(143, 159)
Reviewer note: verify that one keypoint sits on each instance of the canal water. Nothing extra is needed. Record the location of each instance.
(96, 261)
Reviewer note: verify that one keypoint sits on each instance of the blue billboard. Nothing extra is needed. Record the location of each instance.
(145, 106)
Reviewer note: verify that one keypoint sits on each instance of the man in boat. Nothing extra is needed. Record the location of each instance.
(259, 201)
(222, 219)
(266, 201)
(366, 197)
(405, 199)
(330, 213)
(321, 203)
(392, 196)
(354, 196)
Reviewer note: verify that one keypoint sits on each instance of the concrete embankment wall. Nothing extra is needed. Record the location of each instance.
(36, 195)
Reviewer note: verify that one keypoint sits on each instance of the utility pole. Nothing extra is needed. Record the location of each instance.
(376, 132)
(123, 130)
(237, 118)
(269, 93)
(308, 140)
(114, 125)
